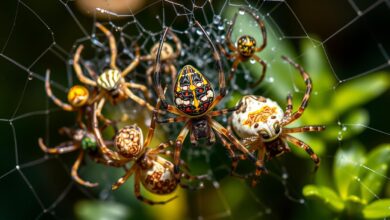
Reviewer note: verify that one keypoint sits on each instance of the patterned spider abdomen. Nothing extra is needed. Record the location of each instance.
(246, 45)
(193, 92)
(78, 95)
(109, 79)
(257, 116)
(166, 51)
(129, 141)
(158, 179)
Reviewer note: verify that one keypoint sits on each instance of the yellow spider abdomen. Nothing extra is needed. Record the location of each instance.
(78, 95)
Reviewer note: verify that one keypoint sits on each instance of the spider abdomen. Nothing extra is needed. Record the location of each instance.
(159, 179)
(78, 95)
(129, 141)
(257, 115)
(193, 92)
(109, 80)
(246, 45)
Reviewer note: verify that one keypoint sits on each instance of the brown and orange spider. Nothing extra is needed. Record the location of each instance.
(246, 47)
(168, 57)
(85, 142)
(154, 172)
(261, 123)
(111, 82)
(194, 100)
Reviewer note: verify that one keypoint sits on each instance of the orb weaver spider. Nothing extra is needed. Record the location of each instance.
(194, 101)
(112, 82)
(168, 57)
(85, 142)
(154, 172)
(246, 47)
(261, 123)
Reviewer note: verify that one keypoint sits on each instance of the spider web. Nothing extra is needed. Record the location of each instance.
(36, 37)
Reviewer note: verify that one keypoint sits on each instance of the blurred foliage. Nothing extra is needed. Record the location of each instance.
(359, 179)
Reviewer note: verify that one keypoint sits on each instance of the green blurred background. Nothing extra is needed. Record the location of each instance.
(348, 65)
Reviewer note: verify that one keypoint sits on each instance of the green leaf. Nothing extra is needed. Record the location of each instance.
(359, 91)
(326, 195)
(101, 210)
(346, 167)
(377, 209)
(374, 173)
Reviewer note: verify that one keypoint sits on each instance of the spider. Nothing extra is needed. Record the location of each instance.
(112, 82)
(81, 140)
(194, 100)
(168, 57)
(154, 172)
(246, 47)
(261, 123)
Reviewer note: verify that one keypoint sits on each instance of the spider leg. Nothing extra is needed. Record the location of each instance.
(77, 68)
(305, 147)
(307, 128)
(233, 70)
(173, 71)
(306, 97)
(289, 108)
(224, 111)
(152, 126)
(79, 119)
(137, 192)
(133, 64)
(157, 75)
(232, 155)
(149, 74)
(143, 88)
(227, 54)
(178, 148)
(99, 112)
(112, 155)
(177, 42)
(260, 158)
(75, 174)
(217, 58)
(230, 44)
(137, 99)
(255, 84)
(64, 147)
(112, 42)
(262, 28)
(219, 128)
(50, 94)
(124, 178)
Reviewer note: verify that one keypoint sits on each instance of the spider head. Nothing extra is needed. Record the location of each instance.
(129, 141)
(200, 128)
(258, 116)
(246, 45)
(110, 80)
(192, 91)
(166, 51)
(78, 96)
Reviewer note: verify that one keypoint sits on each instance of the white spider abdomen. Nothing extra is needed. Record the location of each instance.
(257, 115)
(159, 179)
(109, 79)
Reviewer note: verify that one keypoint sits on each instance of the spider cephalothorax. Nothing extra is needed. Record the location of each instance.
(167, 51)
(261, 124)
(193, 92)
(245, 47)
(194, 100)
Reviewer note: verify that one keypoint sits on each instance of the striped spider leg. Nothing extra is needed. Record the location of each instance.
(149, 168)
(194, 100)
(261, 123)
(83, 141)
(246, 47)
(111, 83)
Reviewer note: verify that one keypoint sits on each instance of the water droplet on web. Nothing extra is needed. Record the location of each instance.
(252, 61)
(217, 19)
(302, 201)
(340, 136)
(315, 93)
(344, 128)
(30, 76)
(339, 123)
(241, 12)
(199, 32)
(273, 49)
(221, 27)
(240, 30)
(285, 176)
(271, 79)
